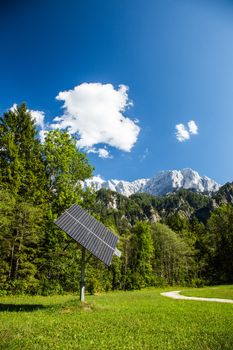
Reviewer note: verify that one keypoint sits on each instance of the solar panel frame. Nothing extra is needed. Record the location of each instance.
(88, 232)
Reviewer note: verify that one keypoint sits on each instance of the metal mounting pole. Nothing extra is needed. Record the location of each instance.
(82, 283)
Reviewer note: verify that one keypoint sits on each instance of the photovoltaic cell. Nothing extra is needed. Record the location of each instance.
(88, 232)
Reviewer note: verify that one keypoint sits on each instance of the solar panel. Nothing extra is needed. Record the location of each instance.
(89, 233)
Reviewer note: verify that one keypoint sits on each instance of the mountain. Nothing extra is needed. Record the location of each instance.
(224, 195)
(146, 207)
(163, 183)
(125, 188)
(183, 204)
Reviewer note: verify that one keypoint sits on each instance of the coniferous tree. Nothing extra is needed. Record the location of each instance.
(7, 204)
(23, 195)
(19, 241)
(22, 170)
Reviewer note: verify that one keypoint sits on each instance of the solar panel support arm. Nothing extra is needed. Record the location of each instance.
(88, 258)
(82, 282)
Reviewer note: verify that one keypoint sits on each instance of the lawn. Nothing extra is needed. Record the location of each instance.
(135, 320)
(223, 292)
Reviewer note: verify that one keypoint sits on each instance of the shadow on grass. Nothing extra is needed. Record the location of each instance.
(21, 307)
(69, 306)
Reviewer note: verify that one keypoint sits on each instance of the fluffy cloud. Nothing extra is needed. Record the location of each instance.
(94, 112)
(193, 128)
(102, 152)
(183, 134)
(38, 116)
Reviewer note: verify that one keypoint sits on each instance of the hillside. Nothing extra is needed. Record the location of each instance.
(143, 206)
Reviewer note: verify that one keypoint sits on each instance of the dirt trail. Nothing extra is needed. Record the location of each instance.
(176, 295)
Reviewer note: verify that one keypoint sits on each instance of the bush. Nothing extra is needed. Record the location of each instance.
(197, 282)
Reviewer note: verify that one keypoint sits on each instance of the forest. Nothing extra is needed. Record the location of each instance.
(183, 238)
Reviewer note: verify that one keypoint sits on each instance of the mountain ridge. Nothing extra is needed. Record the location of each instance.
(166, 181)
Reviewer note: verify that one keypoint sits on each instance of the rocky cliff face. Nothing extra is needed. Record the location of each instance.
(163, 183)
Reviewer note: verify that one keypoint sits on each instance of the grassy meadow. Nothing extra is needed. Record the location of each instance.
(120, 320)
(223, 292)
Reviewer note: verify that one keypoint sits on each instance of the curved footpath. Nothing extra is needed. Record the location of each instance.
(176, 295)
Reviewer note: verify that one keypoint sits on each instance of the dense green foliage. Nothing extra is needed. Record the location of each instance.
(182, 238)
(121, 320)
(174, 256)
(37, 182)
(22, 169)
(220, 227)
(187, 249)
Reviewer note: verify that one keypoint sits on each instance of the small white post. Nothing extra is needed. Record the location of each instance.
(82, 283)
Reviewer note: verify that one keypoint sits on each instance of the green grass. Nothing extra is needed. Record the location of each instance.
(223, 292)
(138, 320)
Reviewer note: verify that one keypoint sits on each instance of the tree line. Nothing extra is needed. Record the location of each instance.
(38, 181)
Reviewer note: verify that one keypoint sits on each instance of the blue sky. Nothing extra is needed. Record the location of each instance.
(175, 57)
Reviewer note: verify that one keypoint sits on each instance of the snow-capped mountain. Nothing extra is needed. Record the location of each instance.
(173, 180)
(164, 182)
(124, 187)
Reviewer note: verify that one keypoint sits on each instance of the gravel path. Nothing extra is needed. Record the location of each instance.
(176, 295)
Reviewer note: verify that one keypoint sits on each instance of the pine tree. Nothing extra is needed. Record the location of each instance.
(19, 238)
(21, 165)
(7, 205)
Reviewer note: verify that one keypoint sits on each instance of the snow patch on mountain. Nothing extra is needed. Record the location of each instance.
(123, 187)
(161, 184)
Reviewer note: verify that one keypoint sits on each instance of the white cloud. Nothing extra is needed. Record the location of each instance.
(182, 133)
(193, 128)
(38, 116)
(102, 152)
(13, 108)
(94, 111)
